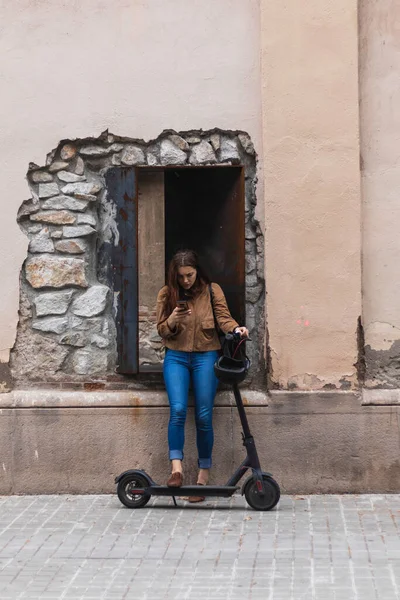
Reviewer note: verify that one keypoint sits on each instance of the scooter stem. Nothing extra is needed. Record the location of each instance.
(242, 413)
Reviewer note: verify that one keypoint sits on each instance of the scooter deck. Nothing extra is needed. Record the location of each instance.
(191, 490)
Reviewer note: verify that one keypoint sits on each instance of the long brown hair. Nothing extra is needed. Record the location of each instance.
(184, 258)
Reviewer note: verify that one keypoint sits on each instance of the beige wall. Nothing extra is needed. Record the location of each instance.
(140, 67)
(75, 69)
(311, 158)
(380, 151)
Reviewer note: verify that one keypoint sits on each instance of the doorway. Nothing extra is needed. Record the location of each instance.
(136, 203)
(204, 211)
(201, 208)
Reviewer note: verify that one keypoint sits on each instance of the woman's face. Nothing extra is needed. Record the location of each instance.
(187, 277)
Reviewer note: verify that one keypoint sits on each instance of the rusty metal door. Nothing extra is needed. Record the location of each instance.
(122, 190)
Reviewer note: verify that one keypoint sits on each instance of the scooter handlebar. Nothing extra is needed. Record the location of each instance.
(236, 337)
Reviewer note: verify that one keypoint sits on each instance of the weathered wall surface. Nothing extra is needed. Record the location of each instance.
(312, 195)
(72, 70)
(119, 56)
(380, 154)
(311, 443)
(70, 297)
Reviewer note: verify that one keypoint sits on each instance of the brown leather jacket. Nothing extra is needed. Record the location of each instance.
(197, 333)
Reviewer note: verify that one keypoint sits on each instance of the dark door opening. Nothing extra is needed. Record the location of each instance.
(204, 211)
(160, 211)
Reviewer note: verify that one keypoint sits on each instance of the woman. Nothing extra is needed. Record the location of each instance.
(192, 345)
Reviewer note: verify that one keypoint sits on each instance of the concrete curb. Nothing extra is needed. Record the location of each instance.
(103, 399)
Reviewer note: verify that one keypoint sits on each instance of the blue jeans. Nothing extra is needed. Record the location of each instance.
(179, 368)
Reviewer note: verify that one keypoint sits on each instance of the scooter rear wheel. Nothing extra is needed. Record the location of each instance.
(126, 490)
(271, 495)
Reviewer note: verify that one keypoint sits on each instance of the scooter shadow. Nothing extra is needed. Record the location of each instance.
(204, 506)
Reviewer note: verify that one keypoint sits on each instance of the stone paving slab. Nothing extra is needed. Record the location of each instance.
(311, 547)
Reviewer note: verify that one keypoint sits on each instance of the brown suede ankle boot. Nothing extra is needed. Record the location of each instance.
(175, 479)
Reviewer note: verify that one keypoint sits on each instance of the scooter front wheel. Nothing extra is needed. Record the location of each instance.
(126, 490)
(268, 500)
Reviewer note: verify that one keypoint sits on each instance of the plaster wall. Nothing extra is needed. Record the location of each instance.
(312, 190)
(73, 70)
(380, 162)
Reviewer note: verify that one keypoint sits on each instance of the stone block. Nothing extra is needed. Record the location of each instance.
(57, 166)
(215, 140)
(53, 303)
(59, 217)
(253, 293)
(94, 151)
(92, 302)
(151, 159)
(36, 356)
(89, 362)
(171, 154)
(51, 324)
(99, 341)
(81, 187)
(41, 242)
(87, 219)
(246, 143)
(41, 177)
(54, 271)
(179, 142)
(46, 190)
(193, 139)
(229, 150)
(202, 153)
(28, 207)
(132, 156)
(78, 231)
(65, 203)
(68, 177)
(116, 147)
(68, 151)
(79, 166)
(75, 338)
(71, 246)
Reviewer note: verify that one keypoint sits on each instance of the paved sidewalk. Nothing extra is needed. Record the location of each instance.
(311, 547)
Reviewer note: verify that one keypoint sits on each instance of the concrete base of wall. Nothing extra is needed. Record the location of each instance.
(73, 442)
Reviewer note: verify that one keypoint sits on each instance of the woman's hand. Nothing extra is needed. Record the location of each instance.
(177, 315)
(244, 332)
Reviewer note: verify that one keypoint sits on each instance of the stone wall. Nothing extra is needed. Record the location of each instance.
(66, 330)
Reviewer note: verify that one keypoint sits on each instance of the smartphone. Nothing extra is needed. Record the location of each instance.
(182, 304)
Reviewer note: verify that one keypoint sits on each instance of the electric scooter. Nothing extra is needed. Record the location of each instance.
(135, 487)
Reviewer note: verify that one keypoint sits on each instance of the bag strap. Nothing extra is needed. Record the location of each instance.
(217, 328)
